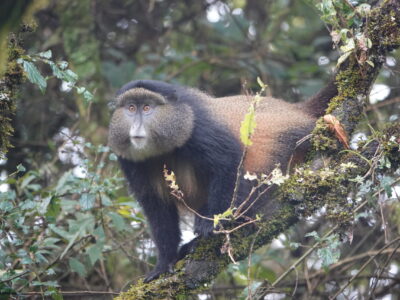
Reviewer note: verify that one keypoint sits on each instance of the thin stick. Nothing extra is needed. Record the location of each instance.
(383, 269)
(250, 297)
(363, 267)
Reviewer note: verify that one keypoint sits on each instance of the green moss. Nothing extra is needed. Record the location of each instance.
(349, 82)
(311, 189)
(384, 27)
(322, 137)
(12, 78)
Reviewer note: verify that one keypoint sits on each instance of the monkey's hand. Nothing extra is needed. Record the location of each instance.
(159, 270)
(204, 227)
(187, 248)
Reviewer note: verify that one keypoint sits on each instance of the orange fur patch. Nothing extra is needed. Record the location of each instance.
(274, 117)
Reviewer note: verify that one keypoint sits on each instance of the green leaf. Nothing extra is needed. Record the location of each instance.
(248, 126)
(62, 65)
(50, 242)
(99, 233)
(117, 220)
(349, 46)
(87, 201)
(27, 205)
(26, 260)
(60, 232)
(95, 253)
(370, 63)
(227, 213)
(328, 255)
(77, 266)
(6, 206)
(262, 85)
(26, 179)
(386, 183)
(56, 71)
(34, 75)
(266, 273)
(21, 168)
(105, 200)
(40, 258)
(313, 234)
(76, 230)
(42, 206)
(70, 76)
(216, 220)
(113, 157)
(342, 58)
(54, 208)
(47, 54)
(88, 95)
(51, 272)
(80, 90)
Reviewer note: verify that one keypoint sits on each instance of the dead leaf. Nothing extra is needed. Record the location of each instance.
(170, 178)
(337, 128)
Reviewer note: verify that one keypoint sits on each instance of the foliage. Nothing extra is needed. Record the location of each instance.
(348, 27)
(60, 70)
(71, 221)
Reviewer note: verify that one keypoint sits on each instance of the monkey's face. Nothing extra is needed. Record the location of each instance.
(146, 125)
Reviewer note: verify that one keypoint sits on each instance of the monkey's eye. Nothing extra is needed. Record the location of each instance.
(146, 108)
(132, 108)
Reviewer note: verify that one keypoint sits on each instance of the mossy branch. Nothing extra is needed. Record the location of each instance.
(311, 188)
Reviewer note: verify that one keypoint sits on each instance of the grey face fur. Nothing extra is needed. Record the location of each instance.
(144, 125)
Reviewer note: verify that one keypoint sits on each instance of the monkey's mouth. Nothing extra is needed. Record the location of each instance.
(138, 141)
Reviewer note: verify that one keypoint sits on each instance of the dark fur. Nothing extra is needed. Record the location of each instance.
(215, 155)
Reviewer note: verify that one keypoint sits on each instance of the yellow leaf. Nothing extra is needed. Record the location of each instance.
(125, 211)
(248, 126)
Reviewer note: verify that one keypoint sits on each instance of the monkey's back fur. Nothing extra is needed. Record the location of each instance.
(279, 125)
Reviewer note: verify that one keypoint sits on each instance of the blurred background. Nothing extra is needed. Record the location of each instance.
(67, 222)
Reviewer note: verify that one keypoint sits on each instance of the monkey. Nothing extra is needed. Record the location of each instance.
(157, 125)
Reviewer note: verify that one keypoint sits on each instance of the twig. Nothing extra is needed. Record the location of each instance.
(69, 293)
(384, 225)
(382, 269)
(297, 282)
(351, 259)
(226, 248)
(236, 228)
(304, 256)
(15, 276)
(363, 267)
(55, 261)
(250, 297)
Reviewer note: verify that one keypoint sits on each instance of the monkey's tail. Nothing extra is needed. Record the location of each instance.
(318, 103)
